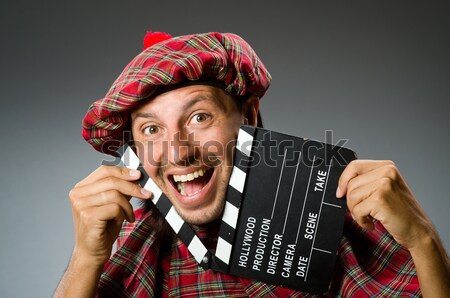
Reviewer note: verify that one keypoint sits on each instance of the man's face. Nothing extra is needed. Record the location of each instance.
(185, 140)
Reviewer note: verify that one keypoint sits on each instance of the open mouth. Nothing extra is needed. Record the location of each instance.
(192, 183)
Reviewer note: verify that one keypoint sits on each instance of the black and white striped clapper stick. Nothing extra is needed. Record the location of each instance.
(204, 257)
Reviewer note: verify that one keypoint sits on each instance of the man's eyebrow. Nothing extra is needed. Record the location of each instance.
(145, 115)
(200, 98)
(188, 105)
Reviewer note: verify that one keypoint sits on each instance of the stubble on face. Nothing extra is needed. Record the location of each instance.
(216, 208)
(224, 132)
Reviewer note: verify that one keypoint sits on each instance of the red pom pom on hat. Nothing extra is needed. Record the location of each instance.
(152, 38)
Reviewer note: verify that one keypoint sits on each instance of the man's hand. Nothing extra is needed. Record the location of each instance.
(376, 190)
(100, 203)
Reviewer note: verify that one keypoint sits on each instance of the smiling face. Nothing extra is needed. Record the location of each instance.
(185, 139)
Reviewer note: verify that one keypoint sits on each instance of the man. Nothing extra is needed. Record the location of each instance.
(178, 97)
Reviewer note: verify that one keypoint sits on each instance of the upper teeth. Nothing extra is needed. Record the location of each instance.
(189, 177)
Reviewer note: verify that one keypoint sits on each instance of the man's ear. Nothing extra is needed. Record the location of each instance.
(250, 109)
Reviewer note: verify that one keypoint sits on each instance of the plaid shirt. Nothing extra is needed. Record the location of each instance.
(370, 264)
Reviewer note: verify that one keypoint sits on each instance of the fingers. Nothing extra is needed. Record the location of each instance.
(364, 213)
(110, 171)
(106, 198)
(361, 193)
(385, 171)
(97, 228)
(112, 183)
(364, 182)
(360, 202)
(100, 204)
(376, 190)
(357, 168)
(110, 212)
(103, 214)
(108, 185)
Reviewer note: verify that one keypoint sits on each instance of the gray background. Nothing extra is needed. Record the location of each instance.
(375, 72)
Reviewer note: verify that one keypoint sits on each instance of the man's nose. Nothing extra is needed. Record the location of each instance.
(182, 149)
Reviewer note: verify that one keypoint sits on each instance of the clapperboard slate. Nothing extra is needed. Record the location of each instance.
(282, 222)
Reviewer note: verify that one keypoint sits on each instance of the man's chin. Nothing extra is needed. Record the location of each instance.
(191, 217)
(201, 217)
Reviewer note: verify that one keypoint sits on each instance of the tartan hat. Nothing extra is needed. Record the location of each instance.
(222, 58)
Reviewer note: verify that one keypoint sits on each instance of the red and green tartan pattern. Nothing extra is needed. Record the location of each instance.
(213, 56)
(370, 264)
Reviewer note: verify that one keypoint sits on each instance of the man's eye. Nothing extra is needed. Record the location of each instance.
(199, 118)
(151, 130)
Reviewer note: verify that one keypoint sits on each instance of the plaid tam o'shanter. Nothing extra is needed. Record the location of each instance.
(370, 264)
(222, 58)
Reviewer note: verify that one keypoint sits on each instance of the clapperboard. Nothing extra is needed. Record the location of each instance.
(282, 222)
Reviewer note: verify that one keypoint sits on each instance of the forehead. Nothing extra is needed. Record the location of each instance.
(184, 97)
